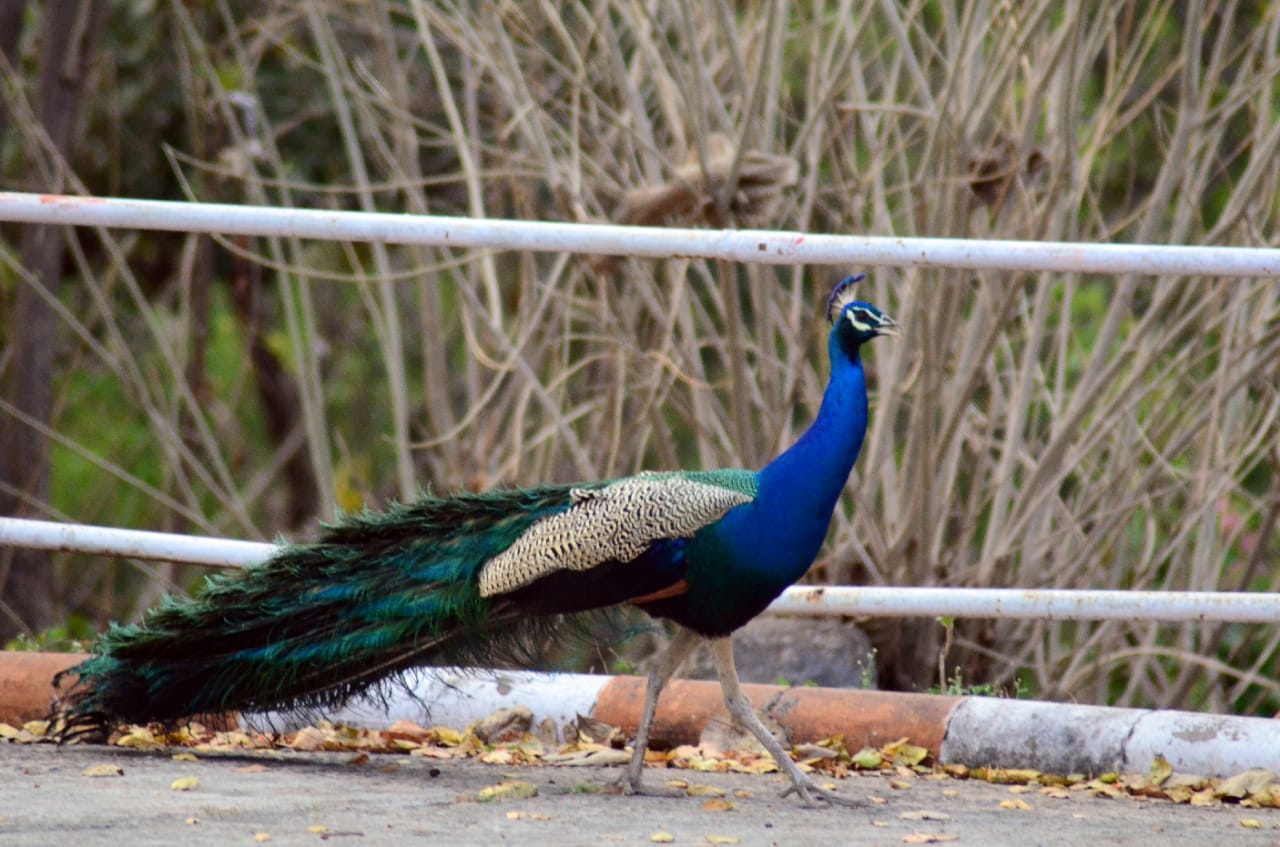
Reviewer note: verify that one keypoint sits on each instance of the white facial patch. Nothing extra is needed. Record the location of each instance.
(862, 320)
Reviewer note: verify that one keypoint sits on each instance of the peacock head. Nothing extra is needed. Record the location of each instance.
(853, 322)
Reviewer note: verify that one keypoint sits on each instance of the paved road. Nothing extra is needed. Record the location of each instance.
(46, 799)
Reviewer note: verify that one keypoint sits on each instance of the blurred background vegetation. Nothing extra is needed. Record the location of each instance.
(1040, 430)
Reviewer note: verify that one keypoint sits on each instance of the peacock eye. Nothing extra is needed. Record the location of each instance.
(861, 320)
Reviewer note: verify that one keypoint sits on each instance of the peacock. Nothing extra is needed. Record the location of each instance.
(480, 578)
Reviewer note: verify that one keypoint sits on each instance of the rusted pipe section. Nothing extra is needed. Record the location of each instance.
(26, 683)
(806, 714)
(973, 731)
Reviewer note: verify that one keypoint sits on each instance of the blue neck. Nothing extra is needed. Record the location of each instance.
(739, 564)
(799, 489)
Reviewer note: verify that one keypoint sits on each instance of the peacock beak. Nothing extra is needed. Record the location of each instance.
(889, 327)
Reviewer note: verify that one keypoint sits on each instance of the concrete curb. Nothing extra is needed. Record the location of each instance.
(1063, 738)
(973, 731)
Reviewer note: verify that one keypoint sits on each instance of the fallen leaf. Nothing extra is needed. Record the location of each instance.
(589, 758)
(510, 790)
(589, 730)
(893, 747)
(761, 765)
(39, 728)
(815, 752)
(1160, 770)
(1016, 803)
(1057, 792)
(184, 783)
(318, 828)
(1246, 784)
(192, 821)
(9, 731)
(251, 769)
(899, 784)
(910, 754)
(1269, 799)
(445, 736)
(185, 757)
(1204, 797)
(927, 838)
(403, 730)
(699, 790)
(1100, 788)
(717, 805)
(924, 815)
(868, 759)
(103, 770)
(309, 739)
(722, 839)
(951, 793)
(1251, 823)
(139, 738)
(1014, 776)
(662, 838)
(262, 836)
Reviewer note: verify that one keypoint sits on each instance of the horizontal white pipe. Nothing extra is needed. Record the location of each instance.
(132, 543)
(457, 697)
(1041, 604)
(762, 246)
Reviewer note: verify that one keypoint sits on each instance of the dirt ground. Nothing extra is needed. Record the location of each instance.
(47, 797)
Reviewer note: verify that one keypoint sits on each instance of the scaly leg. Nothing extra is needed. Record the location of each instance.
(663, 669)
(740, 707)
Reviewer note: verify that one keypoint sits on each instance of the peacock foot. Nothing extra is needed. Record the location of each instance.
(812, 795)
(636, 787)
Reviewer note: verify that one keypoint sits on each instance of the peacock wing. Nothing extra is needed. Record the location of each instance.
(615, 523)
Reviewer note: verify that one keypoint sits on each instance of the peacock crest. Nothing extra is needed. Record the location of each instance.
(842, 295)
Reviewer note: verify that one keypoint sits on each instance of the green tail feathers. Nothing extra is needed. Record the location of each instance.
(320, 623)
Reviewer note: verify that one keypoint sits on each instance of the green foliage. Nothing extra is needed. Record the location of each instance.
(957, 687)
(74, 636)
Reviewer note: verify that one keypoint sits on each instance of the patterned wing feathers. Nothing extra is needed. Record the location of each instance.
(615, 523)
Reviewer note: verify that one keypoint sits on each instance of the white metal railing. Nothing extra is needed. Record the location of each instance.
(753, 246)
(874, 601)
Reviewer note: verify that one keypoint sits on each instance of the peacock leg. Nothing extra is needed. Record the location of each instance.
(663, 669)
(740, 708)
